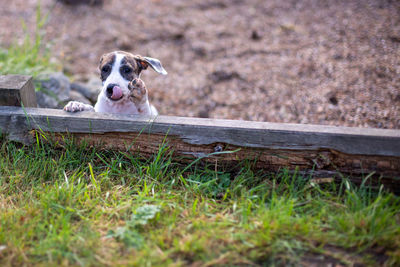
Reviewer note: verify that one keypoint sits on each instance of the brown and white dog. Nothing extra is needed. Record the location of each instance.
(123, 91)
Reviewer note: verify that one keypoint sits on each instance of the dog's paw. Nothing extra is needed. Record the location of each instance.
(74, 106)
(138, 90)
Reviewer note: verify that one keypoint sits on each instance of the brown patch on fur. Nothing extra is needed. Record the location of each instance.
(106, 59)
(137, 62)
(130, 62)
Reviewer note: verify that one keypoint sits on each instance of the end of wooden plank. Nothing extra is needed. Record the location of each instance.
(17, 90)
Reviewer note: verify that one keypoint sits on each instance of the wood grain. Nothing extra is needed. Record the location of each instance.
(17, 90)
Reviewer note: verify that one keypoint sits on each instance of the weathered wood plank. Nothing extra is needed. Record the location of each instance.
(323, 149)
(17, 90)
(198, 131)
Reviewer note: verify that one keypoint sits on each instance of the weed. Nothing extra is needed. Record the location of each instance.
(129, 234)
(30, 57)
(79, 205)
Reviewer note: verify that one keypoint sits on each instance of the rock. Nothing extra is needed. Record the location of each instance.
(221, 76)
(394, 38)
(94, 84)
(90, 90)
(46, 101)
(54, 90)
(332, 98)
(203, 113)
(199, 51)
(76, 96)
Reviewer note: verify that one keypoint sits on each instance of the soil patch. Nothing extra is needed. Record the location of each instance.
(310, 61)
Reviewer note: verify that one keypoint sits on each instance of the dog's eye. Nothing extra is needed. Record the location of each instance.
(105, 69)
(126, 70)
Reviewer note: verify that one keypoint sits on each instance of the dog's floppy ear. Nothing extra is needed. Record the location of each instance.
(154, 63)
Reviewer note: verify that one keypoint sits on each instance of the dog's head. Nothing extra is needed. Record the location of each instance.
(118, 69)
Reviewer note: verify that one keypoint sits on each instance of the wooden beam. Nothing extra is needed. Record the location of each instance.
(322, 150)
(17, 90)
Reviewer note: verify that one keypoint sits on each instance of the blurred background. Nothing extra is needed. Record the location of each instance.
(310, 61)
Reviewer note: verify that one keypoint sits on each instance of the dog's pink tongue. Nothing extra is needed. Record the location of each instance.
(117, 93)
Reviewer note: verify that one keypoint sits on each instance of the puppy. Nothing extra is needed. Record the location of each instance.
(123, 91)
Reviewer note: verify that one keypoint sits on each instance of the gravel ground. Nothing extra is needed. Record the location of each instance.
(311, 61)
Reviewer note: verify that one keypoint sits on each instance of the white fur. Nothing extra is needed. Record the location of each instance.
(122, 106)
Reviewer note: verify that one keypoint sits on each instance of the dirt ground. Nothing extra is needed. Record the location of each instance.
(311, 61)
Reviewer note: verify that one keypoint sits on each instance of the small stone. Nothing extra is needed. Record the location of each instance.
(333, 100)
(221, 76)
(200, 51)
(395, 38)
(76, 96)
(178, 36)
(218, 148)
(82, 2)
(204, 113)
(255, 35)
(337, 56)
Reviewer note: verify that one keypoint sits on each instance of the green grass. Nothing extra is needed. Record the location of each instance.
(29, 57)
(76, 205)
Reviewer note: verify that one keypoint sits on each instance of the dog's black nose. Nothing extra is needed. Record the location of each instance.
(110, 88)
